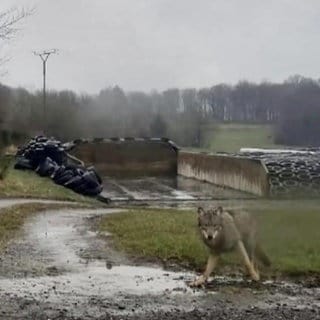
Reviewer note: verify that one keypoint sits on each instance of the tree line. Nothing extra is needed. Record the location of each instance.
(293, 107)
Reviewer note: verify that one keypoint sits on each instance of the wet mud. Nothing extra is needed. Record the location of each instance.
(61, 269)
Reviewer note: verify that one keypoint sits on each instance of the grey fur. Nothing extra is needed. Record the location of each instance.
(227, 230)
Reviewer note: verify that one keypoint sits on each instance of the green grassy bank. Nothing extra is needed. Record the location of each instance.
(230, 137)
(289, 236)
(27, 184)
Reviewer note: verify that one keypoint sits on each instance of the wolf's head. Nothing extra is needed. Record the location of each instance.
(210, 224)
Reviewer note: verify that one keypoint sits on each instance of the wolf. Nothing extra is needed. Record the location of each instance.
(227, 230)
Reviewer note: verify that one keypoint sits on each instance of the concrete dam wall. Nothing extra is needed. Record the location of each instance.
(263, 174)
(128, 157)
(247, 175)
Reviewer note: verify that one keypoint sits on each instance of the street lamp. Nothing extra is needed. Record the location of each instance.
(44, 57)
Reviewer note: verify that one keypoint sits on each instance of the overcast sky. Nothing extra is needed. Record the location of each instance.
(157, 44)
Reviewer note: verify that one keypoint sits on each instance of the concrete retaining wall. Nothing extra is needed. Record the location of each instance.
(153, 157)
(238, 173)
(128, 157)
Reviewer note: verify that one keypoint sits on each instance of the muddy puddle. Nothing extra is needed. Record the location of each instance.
(60, 269)
(60, 261)
(4, 203)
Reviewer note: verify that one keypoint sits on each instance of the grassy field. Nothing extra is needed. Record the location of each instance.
(27, 184)
(290, 237)
(231, 137)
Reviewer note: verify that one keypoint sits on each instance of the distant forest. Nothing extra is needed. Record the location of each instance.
(293, 107)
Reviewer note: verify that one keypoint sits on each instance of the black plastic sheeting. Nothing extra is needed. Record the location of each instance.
(48, 157)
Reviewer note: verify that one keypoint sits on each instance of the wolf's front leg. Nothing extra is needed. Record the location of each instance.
(248, 264)
(211, 264)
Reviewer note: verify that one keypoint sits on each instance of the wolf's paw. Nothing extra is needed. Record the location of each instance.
(255, 276)
(200, 281)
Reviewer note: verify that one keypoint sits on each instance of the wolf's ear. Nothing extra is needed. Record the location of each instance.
(200, 211)
(219, 211)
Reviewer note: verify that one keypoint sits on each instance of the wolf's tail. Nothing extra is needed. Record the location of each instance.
(261, 255)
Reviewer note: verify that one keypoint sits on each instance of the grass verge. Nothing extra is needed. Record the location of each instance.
(12, 218)
(27, 184)
(290, 237)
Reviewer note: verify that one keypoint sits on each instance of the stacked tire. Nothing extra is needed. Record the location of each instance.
(48, 158)
(82, 180)
(37, 150)
(291, 174)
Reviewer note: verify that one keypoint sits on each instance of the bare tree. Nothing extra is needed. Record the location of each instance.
(9, 25)
(9, 21)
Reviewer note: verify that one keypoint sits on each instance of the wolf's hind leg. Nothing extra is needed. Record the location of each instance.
(211, 264)
(248, 264)
(252, 256)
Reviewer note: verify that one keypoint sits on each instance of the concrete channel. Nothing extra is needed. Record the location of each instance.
(167, 189)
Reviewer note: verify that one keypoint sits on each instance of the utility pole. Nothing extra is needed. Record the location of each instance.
(44, 57)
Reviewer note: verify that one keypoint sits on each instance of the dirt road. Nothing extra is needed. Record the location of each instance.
(61, 269)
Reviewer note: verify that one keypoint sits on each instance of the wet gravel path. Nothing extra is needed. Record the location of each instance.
(61, 269)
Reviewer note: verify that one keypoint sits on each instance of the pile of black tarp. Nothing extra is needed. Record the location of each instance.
(48, 157)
